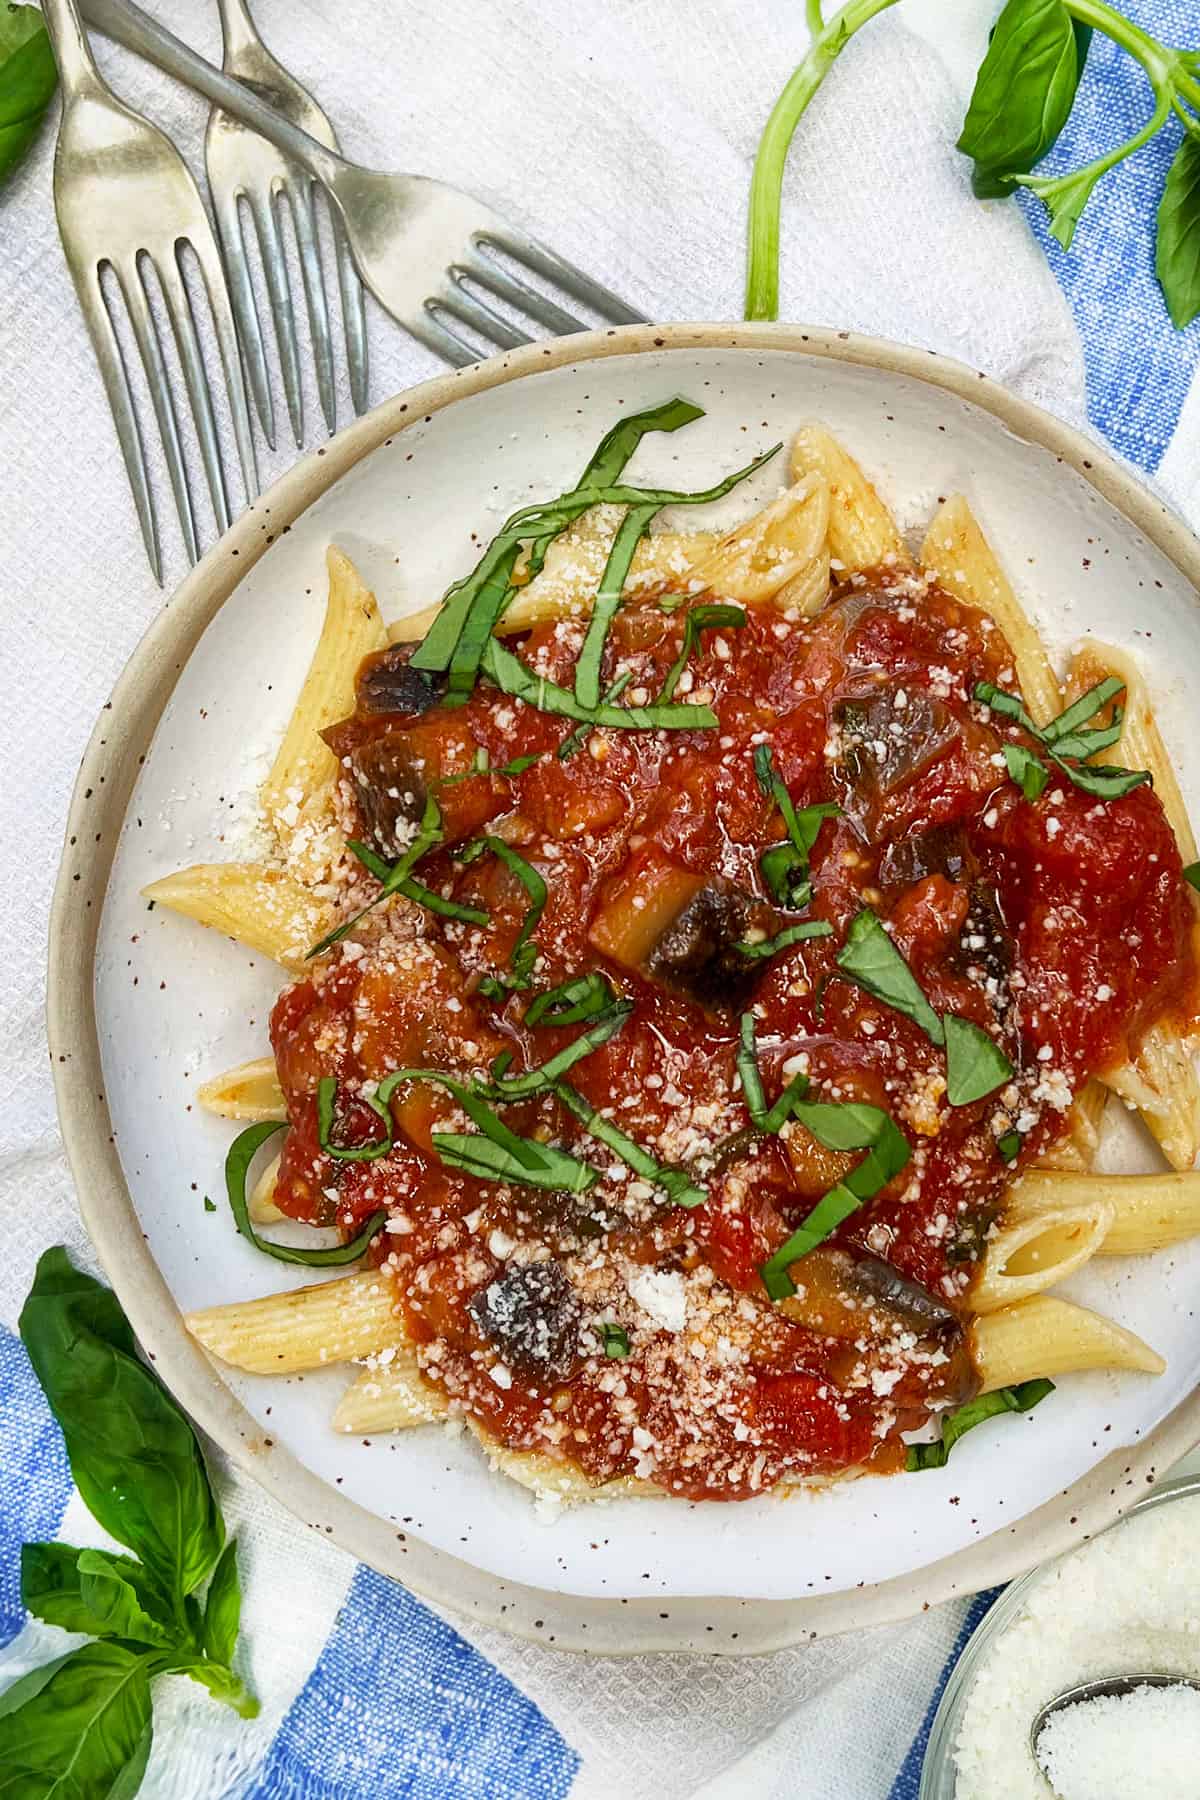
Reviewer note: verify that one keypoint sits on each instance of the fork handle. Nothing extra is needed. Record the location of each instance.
(127, 24)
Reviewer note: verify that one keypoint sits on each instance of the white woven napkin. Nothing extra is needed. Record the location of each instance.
(622, 135)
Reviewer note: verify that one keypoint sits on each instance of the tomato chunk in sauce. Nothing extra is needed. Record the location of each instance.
(614, 1328)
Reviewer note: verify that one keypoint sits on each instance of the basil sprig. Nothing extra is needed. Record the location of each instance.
(700, 618)
(785, 866)
(1064, 739)
(85, 1720)
(28, 79)
(245, 1148)
(975, 1064)
(1020, 1399)
(845, 1126)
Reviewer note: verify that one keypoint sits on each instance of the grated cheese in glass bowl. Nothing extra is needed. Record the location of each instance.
(1126, 1603)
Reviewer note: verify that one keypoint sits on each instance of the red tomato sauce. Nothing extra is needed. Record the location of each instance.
(1061, 926)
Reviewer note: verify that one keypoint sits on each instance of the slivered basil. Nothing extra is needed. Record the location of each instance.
(975, 1064)
(572, 1001)
(1030, 775)
(537, 1081)
(476, 604)
(524, 951)
(1065, 739)
(1009, 1146)
(480, 765)
(675, 1183)
(1191, 874)
(785, 866)
(512, 677)
(632, 530)
(764, 1118)
(846, 1126)
(793, 934)
(395, 878)
(574, 739)
(700, 618)
(616, 1341)
(488, 1160)
(1020, 1399)
(242, 1152)
(871, 960)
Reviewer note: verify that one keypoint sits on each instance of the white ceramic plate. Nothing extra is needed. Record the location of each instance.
(406, 492)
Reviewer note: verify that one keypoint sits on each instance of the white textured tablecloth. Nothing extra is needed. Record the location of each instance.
(623, 135)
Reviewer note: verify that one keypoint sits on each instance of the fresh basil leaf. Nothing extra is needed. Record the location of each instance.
(488, 1160)
(763, 1118)
(700, 618)
(632, 530)
(1191, 874)
(85, 1732)
(844, 1126)
(1177, 251)
(368, 1152)
(1009, 1146)
(94, 1592)
(524, 951)
(975, 1064)
(1024, 91)
(572, 1001)
(393, 877)
(1030, 775)
(785, 866)
(537, 1081)
(134, 1456)
(831, 1210)
(28, 78)
(518, 765)
(1080, 711)
(785, 871)
(871, 960)
(1007, 705)
(792, 934)
(1020, 1399)
(222, 1608)
(616, 1342)
(1064, 197)
(242, 1152)
(675, 1183)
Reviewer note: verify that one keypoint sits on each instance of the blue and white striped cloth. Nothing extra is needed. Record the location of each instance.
(368, 1694)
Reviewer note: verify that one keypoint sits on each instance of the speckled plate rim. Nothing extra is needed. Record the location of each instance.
(718, 1624)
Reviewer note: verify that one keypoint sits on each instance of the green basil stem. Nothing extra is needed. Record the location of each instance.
(242, 1152)
(766, 187)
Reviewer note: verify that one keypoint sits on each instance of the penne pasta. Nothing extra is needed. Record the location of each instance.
(1077, 1147)
(862, 532)
(251, 1091)
(806, 593)
(391, 1396)
(1031, 1251)
(558, 1482)
(1160, 1083)
(261, 1204)
(1044, 1336)
(336, 1321)
(297, 796)
(1149, 1212)
(960, 559)
(781, 544)
(255, 905)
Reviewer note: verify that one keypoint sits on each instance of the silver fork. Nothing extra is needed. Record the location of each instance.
(244, 169)
(126, 204)
(430, 254)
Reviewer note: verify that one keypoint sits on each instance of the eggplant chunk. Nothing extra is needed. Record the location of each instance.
(942, 850)
(908, 1300)
(887, 736)
(388, 683)
(698, 956)
(531, 1315)
(390, 790)
(985, 941)
(844, 1296)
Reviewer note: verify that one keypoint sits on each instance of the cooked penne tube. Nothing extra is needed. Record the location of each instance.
(1140, 745)
(553, 1480)
(255, 905)
(1044, 1336)
(862, 532)
(297, 796)
(1149, 1211)
(959, 557)
(781, 544)
(1077, 1147)
(392, 1396)
(1160, 1083)
(1034, 1250)
(806, 593)
(333, 1322)
(251, 1091)
(261, 1204)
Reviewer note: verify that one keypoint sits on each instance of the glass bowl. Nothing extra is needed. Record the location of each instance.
(938, 1773)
